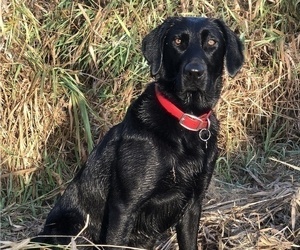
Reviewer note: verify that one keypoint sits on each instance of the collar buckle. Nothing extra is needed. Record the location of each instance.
(194, 123)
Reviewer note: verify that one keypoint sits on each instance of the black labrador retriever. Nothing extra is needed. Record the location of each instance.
(150, 172)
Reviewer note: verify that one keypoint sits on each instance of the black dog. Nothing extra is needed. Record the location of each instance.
(150, 172)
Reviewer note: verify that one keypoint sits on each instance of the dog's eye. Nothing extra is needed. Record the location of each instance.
(211, 42)
(177, 41)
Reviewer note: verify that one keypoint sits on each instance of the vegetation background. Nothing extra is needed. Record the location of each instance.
(69, 69)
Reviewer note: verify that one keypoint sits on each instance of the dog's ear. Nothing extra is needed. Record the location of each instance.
(153, 44)
(234, 56)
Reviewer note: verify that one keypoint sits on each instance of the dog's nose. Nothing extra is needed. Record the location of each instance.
(194, 70)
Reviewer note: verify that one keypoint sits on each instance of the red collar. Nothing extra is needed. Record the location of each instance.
(187, 121)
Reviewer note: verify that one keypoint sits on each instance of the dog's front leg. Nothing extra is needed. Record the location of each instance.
(187, 228)
(134, 177)
(120, 225)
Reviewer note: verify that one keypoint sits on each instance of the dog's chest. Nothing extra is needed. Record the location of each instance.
(186, 164)
(183, 178)
(172, 196)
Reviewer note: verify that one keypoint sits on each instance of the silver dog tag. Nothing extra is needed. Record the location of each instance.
(204, 135)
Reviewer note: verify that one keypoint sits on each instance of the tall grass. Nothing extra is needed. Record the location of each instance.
(69, 70)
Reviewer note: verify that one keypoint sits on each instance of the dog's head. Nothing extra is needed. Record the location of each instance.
(187, 57)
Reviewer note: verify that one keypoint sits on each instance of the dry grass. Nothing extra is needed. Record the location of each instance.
(69, 70)
(254, 217)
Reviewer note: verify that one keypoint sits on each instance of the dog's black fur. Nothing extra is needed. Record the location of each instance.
(149, 173)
